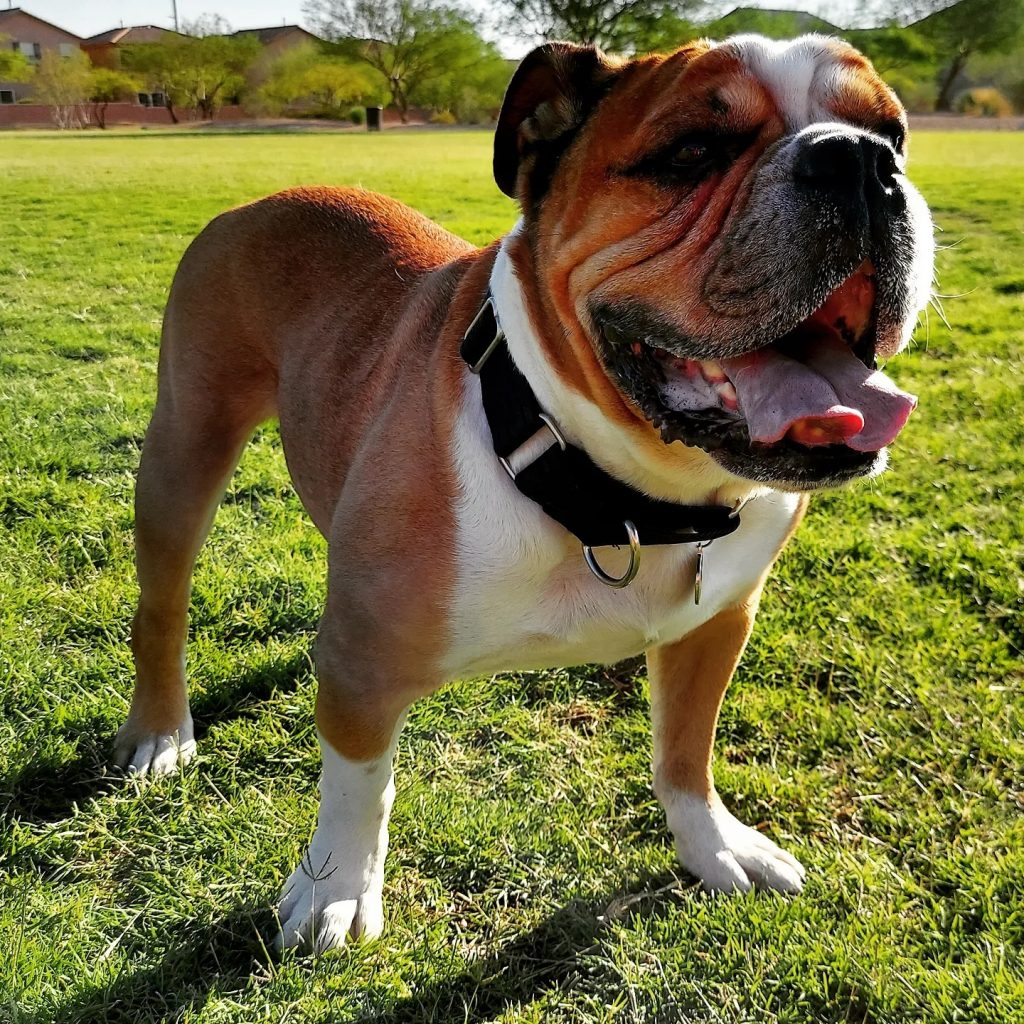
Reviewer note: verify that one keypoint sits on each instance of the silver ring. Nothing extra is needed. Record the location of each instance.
(737, 507)
(631, 570)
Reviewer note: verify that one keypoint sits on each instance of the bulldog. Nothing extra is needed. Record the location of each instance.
(520, 454)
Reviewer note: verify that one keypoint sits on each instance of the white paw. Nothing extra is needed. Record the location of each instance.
(317, 911)
(150, 753)
(725, 854)
(335, 892)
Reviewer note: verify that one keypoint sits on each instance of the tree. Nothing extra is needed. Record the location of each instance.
(158, 65)
(213, 68)
(655, 35)
(410, 43)
(890, 48)
(62, 83)
(331, 82)
(14, 66)
(612, 24)
(206, 25)
(775, 24)
(970, 27)
(197, 72)
(108, 86)
(212, 63)
(473, 92)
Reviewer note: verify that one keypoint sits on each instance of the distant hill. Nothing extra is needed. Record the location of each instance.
(771, 23)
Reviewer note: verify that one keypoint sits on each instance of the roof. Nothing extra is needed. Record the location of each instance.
(268, 35)
(132, 34)
(7, 11)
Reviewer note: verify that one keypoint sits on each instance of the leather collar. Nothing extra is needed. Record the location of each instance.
(570, 487)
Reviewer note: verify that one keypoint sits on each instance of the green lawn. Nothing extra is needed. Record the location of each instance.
(875, 726)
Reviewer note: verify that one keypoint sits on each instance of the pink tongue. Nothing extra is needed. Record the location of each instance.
(827, 397)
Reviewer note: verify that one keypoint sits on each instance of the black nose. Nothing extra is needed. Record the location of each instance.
(846, 162)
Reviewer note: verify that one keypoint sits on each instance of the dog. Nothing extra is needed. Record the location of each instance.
(588, 440)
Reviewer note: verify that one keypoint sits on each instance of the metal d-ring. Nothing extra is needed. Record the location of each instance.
(617, 582)
(737, 506)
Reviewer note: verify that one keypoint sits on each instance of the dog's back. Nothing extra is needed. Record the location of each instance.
(288, 289)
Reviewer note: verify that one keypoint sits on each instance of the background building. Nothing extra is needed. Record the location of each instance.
(31, 36)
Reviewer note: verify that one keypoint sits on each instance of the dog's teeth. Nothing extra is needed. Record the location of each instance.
(727, 393)
(712, 371)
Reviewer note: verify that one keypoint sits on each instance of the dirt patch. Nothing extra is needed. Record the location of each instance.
(960, 123)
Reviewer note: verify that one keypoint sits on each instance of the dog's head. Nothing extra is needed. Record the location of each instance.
(728, 242)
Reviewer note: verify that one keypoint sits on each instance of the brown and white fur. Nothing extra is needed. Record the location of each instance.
(438, 567)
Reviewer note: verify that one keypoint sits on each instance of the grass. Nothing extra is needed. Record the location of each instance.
(875, 726)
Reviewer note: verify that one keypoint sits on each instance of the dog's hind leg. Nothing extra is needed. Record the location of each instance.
(202, 420)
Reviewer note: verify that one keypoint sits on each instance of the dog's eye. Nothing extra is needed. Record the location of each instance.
(691, 154)
(691, 158)
(703, 152)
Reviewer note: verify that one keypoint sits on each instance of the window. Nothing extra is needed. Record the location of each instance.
(159, 99)
(6, 95)
(144, 99)
(66, 49)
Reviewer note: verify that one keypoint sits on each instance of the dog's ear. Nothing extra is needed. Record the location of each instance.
(551, 93)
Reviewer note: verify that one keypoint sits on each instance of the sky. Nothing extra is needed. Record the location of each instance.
(89, 17)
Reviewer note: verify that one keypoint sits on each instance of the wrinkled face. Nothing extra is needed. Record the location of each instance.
(728, 242)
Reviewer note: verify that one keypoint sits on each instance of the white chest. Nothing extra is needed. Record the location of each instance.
(524, 598)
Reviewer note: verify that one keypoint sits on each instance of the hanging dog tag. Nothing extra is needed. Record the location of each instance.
(698, 579)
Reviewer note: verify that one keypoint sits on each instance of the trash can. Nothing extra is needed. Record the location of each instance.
(374, 118)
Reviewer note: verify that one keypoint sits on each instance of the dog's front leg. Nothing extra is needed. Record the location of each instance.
(336, 890)
(688, 682)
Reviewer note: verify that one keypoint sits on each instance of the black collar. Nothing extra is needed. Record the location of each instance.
(563, 479)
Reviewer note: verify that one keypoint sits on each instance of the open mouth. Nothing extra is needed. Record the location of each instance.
(809, 407)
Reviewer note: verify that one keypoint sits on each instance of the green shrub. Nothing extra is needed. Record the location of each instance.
(443, 117)
(984, 102)
(1016, 95)
(357, 115)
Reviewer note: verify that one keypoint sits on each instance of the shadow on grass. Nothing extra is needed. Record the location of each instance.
(619, 685)
(226, 954)
(45, 792)
(545, 958)
(199, 957)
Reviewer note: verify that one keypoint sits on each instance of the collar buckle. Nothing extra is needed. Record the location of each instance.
(531, 449)
(561, 477)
